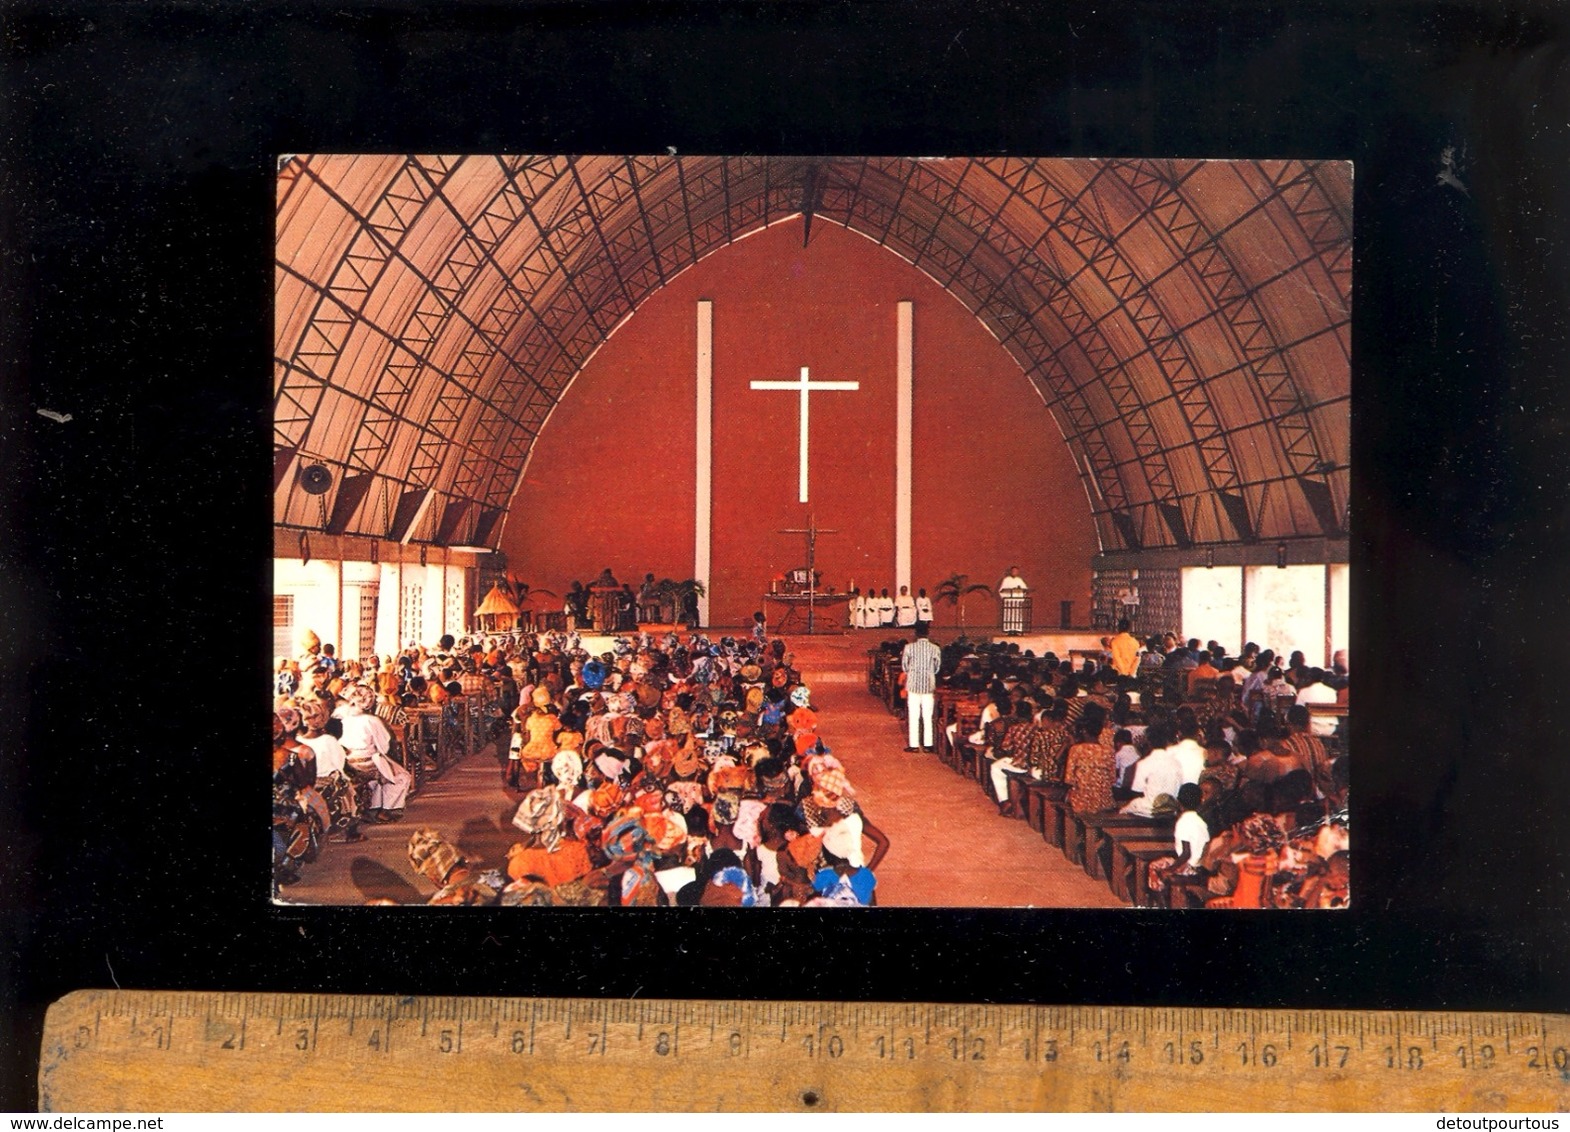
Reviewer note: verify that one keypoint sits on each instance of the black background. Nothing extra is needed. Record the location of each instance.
(137, 213)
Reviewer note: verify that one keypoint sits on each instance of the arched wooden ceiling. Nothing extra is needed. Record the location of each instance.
(1186, 322)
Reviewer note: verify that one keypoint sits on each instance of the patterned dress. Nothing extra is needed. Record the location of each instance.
(1048, 749)
(1089, 776)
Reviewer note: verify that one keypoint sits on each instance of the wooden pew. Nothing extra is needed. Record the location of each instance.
(1142, 854)
(1050, 800)
(1119, 863)
(875, 672)
(1095, 834)
(1186, 891)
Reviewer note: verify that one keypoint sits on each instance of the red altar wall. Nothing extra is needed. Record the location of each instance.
(611, 479)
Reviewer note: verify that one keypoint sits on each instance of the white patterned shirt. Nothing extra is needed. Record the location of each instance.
(921, 660)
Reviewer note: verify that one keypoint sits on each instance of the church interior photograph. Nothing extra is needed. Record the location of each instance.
(811, 531)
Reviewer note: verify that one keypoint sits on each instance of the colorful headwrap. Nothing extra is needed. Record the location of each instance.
(727, 879)
(609, 765)
(527, 894)
(687, 760)
(289, 716)
(541, 697)
(314, 713)
(568, 769)
(683, 796)
(730, 777)
(431, 856)
(1261, 833)
(667, 831)
(806, 849)
(831, 781)
(816, 764)
(746, 825)
(605, 798)
(657, 758)
(541, 813)
(627, 840)
(360, 697)
(648, 795)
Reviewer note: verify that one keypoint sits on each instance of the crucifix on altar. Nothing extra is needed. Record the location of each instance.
(805, 387)
(812, 531)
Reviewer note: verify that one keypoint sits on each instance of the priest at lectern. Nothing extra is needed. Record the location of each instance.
(1015, 596)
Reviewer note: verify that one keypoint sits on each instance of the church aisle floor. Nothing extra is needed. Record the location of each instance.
(948, 845)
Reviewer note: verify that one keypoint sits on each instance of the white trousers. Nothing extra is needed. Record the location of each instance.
(1000, 778)
(392, 790)
(918, 711)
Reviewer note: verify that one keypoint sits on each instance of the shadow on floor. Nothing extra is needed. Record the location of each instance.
(377, 882)
(486, 842)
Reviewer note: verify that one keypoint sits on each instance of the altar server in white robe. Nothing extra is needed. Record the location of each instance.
(923, 608)
(885, 610)
(904, 609)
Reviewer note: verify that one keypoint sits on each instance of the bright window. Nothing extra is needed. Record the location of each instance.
(283, 625)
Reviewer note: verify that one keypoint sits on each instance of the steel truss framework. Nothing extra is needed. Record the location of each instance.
(1187, 323)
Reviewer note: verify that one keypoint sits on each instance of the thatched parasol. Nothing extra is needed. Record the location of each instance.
(498, 613)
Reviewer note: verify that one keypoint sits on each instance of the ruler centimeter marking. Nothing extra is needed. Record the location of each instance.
(164, 1051)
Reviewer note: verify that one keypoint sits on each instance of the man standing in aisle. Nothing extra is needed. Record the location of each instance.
(904, 609)
(1012, 591)
(920, 662)
(1125, 650)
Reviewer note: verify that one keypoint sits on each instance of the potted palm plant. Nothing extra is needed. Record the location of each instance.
(954, 589)
(679, 600)
(687, 594)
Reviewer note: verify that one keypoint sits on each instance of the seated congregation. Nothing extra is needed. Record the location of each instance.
(1181, 776)
(672, 771)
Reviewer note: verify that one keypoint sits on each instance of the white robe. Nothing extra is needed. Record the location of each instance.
(366, 739)
(904, 610)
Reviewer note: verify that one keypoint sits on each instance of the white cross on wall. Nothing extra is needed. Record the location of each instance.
(805, 387)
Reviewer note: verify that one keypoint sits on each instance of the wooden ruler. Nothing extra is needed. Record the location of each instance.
(169, 1052)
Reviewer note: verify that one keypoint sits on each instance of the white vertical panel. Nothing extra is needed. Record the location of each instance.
(1340, 608)
(1286, 609)
(1213, 605)
(389, 608)
(903, 410)
(337, 638)
(703, 494)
